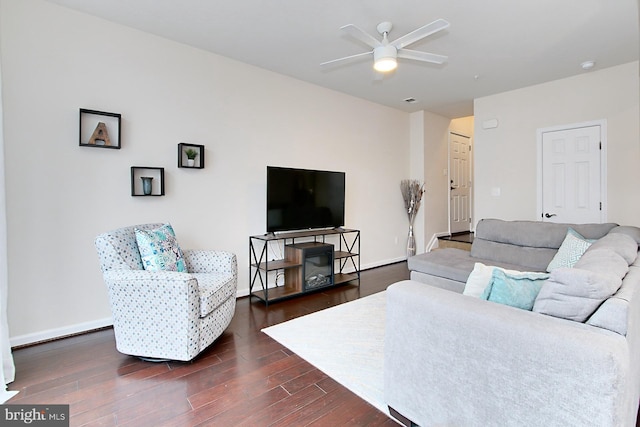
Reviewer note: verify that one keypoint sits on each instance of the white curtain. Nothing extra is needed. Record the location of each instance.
(8, 372)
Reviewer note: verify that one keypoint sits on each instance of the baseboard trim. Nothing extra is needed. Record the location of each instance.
(383, 263)
(80, 328)
(57, 333)
(433, 243)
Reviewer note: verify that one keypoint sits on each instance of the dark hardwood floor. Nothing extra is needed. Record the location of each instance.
(244, 379)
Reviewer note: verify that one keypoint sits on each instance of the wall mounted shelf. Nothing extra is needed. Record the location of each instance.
(99, 129)
(156, 182)
(183, 160)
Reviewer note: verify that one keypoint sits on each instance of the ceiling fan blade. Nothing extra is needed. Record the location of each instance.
(422, 56)
(420, 33)
(345, 59)
(361, 35)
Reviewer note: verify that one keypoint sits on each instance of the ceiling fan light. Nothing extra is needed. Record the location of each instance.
(384, 65)
(384, 58)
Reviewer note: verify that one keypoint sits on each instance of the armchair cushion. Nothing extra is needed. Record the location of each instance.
(159, 249)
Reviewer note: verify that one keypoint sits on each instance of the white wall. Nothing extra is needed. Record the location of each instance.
(505, 157)
(60, 196)
(417, 171)
(436, 161)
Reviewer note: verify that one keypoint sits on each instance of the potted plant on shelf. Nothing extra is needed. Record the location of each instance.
(191, 156)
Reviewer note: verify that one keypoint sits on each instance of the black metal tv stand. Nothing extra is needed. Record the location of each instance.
(294, 270)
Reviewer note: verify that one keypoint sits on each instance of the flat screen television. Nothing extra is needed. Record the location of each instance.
(301, 199)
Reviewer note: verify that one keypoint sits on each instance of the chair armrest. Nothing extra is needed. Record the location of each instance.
(202, 261)
(481, 363)
(150, 290)
(155, 314)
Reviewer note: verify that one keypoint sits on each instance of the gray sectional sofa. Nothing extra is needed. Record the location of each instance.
(516, 245)
(573, 359)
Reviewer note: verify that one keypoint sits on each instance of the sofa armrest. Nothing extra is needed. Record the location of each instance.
(452, 359)
(203, 261)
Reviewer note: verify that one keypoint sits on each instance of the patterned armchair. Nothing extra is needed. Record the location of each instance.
(166, 314)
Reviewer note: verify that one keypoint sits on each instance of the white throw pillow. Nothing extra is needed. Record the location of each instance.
(572, 248)
(478, 280)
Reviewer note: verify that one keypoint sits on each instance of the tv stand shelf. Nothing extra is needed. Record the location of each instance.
(290, 264)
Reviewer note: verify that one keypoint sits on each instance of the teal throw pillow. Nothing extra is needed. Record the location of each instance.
(518, 290)
(159, 249)
(572, 248)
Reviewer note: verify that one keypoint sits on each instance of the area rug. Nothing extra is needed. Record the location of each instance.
(346, 342)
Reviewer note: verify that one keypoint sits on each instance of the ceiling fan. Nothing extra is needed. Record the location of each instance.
(386, 53)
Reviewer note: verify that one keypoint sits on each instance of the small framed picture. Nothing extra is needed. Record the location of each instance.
(190, 156)
(99, 129)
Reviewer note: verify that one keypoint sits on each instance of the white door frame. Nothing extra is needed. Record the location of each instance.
(603, 162)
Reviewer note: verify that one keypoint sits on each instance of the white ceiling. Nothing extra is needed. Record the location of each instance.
(493, 45)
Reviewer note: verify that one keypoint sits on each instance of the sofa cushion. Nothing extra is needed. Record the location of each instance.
(450, 263)
(629, 230)
(530, 244)
(528, 258)
(536, 234)
(575, 293)
(604, 261)
(621, 243)
(613, 314)
(572, 248)
(159, 249)
(517, 290)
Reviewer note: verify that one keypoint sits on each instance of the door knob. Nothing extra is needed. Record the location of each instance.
(548, 215)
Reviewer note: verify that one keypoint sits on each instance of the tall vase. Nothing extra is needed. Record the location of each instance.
(411, 240)
(146, 185)
(412, 192)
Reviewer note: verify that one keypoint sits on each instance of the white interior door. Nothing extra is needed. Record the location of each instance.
(572, 164)
(460, 183)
